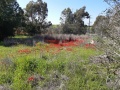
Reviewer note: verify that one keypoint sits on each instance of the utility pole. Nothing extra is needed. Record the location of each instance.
(89, 25)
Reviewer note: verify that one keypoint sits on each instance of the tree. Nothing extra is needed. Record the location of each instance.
(36, 13)
(99, 25)
(110, 43)
(66, 16)
(79, 15)
(10, 17)
(111, 27)
(73, 22)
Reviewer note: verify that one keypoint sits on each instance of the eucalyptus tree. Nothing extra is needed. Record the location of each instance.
(11, 16)
(67, 16)
(79, 17)
(73, 22)
(36, 14)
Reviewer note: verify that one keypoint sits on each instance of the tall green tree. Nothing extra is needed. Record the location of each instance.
(73, 22)
(66, 16)
(10, 17)
(99, 25)
(36, 14)
(79, 17)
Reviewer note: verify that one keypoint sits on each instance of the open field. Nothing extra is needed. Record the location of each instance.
(50, 67)
(79, 49)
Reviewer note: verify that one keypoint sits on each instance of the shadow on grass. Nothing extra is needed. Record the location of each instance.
(1, 43)
(29, 41)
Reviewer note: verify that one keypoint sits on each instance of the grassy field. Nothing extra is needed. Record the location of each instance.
(43, 67)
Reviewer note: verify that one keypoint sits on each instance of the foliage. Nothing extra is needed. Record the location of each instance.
(66, 16)
(54, 29)
(31, 20)
(47, 66)
(109, 41)
(11, 16)
(110, 27)
(73, 23)
(36, 13)
(99, 25)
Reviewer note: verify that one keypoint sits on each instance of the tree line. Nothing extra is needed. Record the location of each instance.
(32, 19)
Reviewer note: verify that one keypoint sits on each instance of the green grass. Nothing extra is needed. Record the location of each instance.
(21, 36)
(74, 64)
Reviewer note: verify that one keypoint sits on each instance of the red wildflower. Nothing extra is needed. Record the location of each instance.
(52, 41)
(31, 78)
(67, 43)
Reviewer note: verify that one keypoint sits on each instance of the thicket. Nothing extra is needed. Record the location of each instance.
(107, 27)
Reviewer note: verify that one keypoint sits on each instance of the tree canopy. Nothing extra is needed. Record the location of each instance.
(99, 25)
(73, 22)
(36, 13)
(32, 18)
(10, 17)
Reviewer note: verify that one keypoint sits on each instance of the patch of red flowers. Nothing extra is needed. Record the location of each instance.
(55, 46)
(79, 41)
(57, 43)
(24, 51)
(31, 78)
(68, 43)
(51, 41)
(63, 43)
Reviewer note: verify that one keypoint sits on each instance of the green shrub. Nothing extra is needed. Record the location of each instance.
(6, 78)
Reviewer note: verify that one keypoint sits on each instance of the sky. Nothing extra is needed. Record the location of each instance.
(55, 7)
